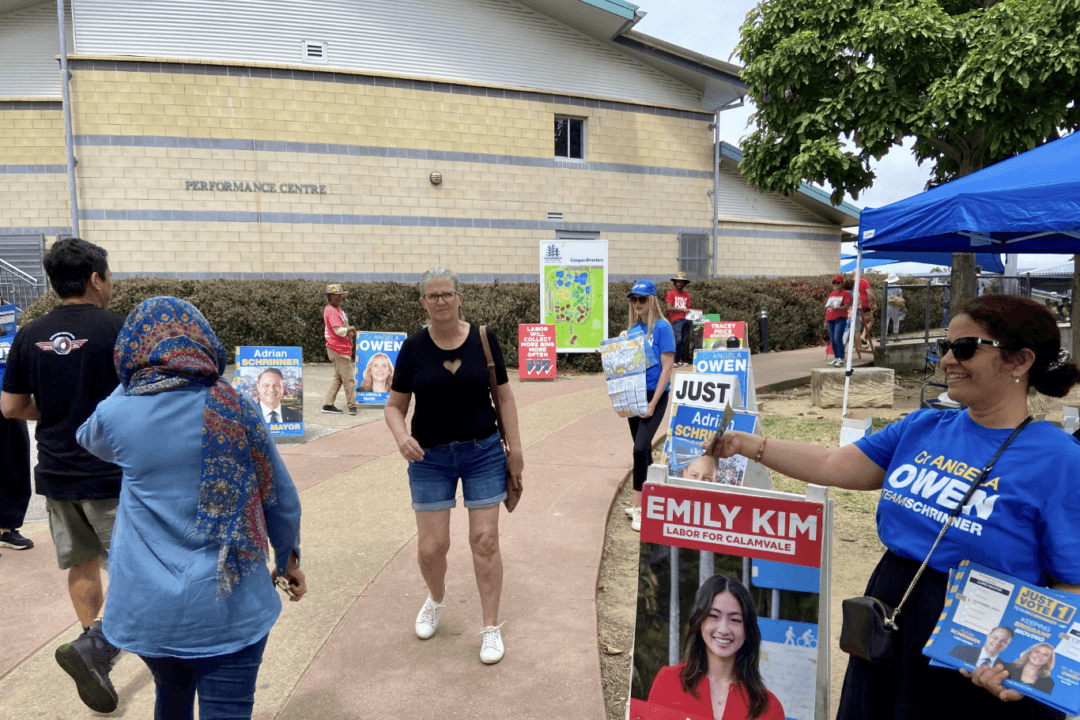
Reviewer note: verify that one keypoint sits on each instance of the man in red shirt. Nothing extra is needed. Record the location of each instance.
(867, 308)
(678, 302)
(339, 336)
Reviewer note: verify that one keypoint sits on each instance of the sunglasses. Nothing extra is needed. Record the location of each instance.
(963, 348)
(639, 298)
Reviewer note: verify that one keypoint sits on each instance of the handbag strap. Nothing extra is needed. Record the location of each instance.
(891, 622)
(493, 383)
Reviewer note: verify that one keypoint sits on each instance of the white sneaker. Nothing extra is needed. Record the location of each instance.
(635, 522)
(428, 619)
(491, 651)
(630, 511)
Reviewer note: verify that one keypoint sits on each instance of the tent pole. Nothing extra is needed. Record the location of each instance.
(855, 307)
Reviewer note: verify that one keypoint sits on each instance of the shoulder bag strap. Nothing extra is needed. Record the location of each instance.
(494, 384)
(954, 514)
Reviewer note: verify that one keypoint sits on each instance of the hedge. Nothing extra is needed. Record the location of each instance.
(289, 312)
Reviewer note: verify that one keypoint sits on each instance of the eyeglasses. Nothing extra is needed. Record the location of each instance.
(436, 297)
(963, 348)
(639, 298)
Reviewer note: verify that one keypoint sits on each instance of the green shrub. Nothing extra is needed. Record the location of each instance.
(289, 312)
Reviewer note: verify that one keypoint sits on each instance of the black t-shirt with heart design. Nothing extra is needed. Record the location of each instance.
(453, 401)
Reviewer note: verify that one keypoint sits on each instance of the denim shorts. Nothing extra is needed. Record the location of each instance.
(481, 465)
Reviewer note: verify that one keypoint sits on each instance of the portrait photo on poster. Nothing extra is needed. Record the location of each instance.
(273, 378)
(376, 355)
(786, 647)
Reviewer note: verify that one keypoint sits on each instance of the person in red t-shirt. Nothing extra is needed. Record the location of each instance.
(678, 302)
(339, 336)
(867, 308)
(837, 305)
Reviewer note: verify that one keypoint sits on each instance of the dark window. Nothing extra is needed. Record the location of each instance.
(569, 141)
(694, 254)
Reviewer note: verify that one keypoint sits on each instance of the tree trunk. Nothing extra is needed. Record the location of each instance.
(1072, 311)
(962, 280)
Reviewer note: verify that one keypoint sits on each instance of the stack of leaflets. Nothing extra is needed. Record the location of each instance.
(1032, 631)
(624, 368)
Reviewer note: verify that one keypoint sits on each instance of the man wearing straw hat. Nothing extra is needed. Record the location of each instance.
(339, 336)
(677, 303)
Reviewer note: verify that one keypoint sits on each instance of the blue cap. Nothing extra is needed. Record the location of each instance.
(642, 287)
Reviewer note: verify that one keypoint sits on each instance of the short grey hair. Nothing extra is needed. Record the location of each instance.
(439, 273)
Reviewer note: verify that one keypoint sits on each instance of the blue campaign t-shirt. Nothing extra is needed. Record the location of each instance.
(662, 341)
(1025, 518)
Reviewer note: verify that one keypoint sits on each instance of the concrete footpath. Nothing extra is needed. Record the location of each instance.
(348, 650)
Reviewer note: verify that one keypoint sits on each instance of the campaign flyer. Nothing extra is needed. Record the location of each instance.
(688, 428)
(273, 377)
(623, 359)
(1033, 632)
(376, 354)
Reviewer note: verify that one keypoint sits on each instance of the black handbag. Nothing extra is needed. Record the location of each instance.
(869, 626)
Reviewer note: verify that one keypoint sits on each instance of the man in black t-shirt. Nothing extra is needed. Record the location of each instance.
(60, 367)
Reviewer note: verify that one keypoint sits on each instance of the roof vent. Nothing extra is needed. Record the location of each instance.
(553, 216)
(313, 51)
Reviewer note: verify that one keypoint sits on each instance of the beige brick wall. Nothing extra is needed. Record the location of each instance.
(752, 252)
(31, 137)
(136, 179)
(33, 200)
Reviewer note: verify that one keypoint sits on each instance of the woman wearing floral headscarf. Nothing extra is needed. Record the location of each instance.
(203, 492)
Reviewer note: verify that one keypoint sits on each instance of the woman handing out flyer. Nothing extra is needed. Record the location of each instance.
(646, 317)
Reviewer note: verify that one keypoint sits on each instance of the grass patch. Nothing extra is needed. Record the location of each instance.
(826, 433)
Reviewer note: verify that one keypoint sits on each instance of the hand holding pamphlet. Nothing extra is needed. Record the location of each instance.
(994, 619)
(624, 364)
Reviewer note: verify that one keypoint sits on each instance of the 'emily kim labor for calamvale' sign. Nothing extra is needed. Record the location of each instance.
(743, 524)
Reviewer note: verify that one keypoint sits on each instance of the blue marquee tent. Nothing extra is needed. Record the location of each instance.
(1026, 204)
(990, 262)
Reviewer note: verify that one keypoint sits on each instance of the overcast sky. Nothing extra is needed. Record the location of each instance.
(711, 27)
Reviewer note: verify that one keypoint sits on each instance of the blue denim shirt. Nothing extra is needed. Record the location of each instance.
(162, 598)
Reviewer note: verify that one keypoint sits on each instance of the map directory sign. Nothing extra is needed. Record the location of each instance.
(376, 355)
(573, 292)
(273, 377)
(536, 352)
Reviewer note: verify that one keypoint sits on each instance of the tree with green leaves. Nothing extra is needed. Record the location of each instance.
(838, 83)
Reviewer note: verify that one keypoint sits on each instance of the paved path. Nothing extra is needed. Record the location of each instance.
(348, 650)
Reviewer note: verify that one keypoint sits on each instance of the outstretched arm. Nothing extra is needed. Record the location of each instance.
(847, 467)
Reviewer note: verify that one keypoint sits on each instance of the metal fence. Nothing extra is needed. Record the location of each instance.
(18, 287)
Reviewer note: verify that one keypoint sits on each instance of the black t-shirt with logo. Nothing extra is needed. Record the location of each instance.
(65, 360)
(453, 400)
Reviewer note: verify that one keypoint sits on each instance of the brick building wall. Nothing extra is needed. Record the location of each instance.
(349, 156)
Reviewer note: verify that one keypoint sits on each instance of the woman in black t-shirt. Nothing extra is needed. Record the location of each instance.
(454, 435)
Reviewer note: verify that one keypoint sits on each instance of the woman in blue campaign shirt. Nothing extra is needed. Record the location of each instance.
(204, 495)
(647, 317)
(1022, 520)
